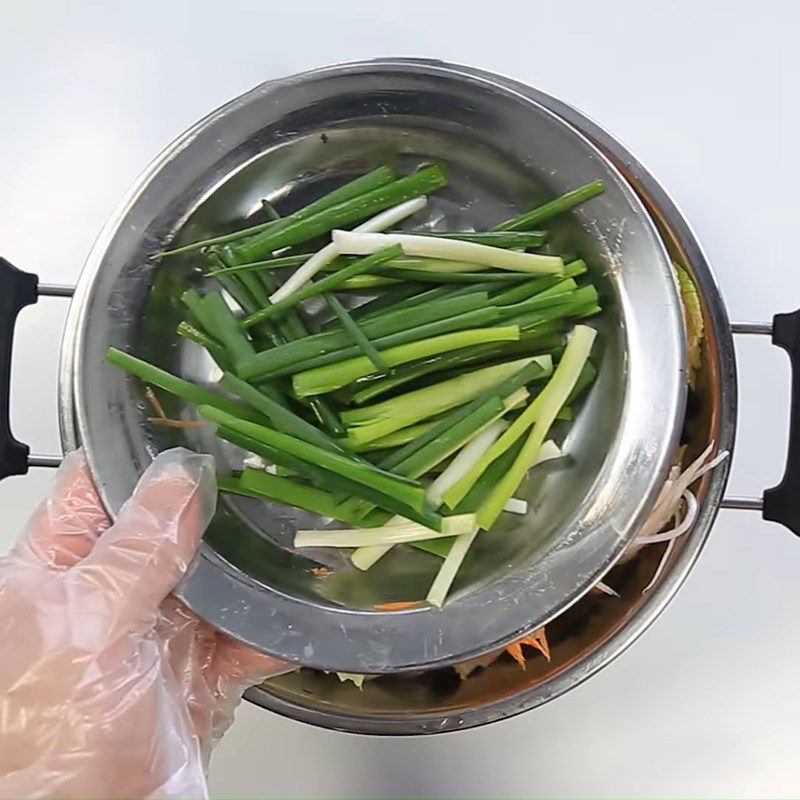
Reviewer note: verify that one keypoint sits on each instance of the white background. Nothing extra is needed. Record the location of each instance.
(706, 93)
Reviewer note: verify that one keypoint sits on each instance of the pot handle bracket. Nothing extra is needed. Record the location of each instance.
(17, 290)
(782, 502)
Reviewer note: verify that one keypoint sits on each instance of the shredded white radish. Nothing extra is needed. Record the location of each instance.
(306, 271)
(398, 533)
(449, 569)
(674, 495)
(358, 243)
(464, 461)
(515, 505)
(679, 530)
(605, 589)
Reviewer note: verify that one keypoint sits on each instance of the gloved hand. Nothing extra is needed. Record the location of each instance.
(108, 686)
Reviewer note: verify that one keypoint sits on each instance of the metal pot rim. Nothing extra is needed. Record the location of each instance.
(615, 643)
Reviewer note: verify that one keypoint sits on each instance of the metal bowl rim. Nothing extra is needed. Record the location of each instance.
(70, 400)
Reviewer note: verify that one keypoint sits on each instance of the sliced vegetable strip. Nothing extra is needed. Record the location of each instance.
(326, 284)
(351, 326)
(440, 396)
(331, 481)
(386, 219)
(282, 418)
(395, 532)
(572, 359)
(356, 243)
(553, 396)
(449, 569)
(257, 483)
(471, 319)
(549, 210)
(270, 362)
(357, 207)
(358, 471)
(186, 390)
(227, 328)
(327, 379)
(519, 379)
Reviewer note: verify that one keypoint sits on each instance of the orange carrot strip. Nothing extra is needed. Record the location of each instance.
(176, 423)
(154, 402)
(399, 605)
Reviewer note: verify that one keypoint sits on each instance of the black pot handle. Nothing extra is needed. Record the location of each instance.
(17, 290)
(782, 502)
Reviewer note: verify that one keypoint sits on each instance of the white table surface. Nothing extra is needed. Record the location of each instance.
(707, 703)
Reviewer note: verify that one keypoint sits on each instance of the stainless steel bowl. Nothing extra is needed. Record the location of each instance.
(288, 140)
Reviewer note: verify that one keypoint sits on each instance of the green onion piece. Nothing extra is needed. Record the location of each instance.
(329, 480)
(471, 319)
(546, 406)
(194, 302)
(364, 204)
(390, 298)
(433, 276)
(441, 396)
(447, 441)
(549, 210)
(269, 209)
(334, 376)
(186, 390)
(394, 439)
(363, 283)
(361, 185)
(348, 467)
(476, 496)
(449, 569)
(227, 327)
(326, 284)
(214, 348)
(349, 324)
(282, 418)
(387, 303)
(273, 362)
(396, 531)
(215, 240)
(494, 238)
(329, 255)
(267, 264)
(544, 341)
(257, 483)
(358, 243)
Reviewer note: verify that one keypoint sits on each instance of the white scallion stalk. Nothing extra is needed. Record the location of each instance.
(515, 505)
(466, 457)
(358, 243)
(449, 569)
(380, 222)
(366, 557)
(394, 533)
(551, 400)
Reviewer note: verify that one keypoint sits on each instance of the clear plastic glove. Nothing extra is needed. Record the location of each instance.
(108, 687)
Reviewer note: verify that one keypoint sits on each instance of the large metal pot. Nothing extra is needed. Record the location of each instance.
(584, 639)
